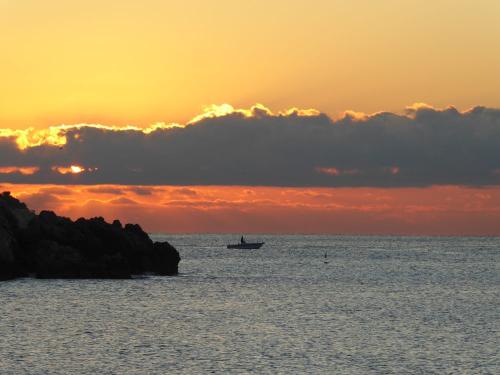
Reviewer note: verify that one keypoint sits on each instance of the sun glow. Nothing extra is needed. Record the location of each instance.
(257, 110)
(76, 169)
(56, 135)
(72, 169)
(22, 170)
(310, 112)
(32, 138)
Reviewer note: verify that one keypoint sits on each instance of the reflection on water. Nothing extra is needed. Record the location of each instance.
(381, 305)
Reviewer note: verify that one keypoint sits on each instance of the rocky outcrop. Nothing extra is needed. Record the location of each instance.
(8, 245)
(8, 239)
(50, 246)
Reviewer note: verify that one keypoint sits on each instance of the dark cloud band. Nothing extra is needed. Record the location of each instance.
(424, 147)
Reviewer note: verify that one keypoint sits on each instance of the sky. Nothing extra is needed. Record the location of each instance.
(343, 100)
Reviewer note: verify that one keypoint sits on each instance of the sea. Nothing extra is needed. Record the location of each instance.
(374, 305)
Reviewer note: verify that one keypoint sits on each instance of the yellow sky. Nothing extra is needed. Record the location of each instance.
(139, 62)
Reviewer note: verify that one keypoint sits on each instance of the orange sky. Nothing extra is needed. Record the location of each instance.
(443, 210)
(138, 62)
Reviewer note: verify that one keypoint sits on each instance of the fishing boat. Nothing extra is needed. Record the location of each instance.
(245, 245)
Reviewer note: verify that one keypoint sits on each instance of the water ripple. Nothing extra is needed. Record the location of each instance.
(380, 306)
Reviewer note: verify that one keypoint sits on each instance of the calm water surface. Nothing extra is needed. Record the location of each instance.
(382, 305)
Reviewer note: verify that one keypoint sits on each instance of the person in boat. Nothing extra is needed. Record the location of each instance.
(243, 240)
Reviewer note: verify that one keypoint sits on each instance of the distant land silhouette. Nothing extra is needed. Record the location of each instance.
(50, 246)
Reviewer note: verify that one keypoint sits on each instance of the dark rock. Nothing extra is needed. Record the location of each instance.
(9, 228)
(51, 246)
(8, 264)
(165, 259)
(53, 260)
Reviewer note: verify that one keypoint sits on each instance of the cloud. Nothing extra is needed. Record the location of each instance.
(184, 192)
(255, 147)
(42, 200)
(106, 190)
(441, 210)
(58, 190)
(21, 170)
(123, 200)
(142, 190)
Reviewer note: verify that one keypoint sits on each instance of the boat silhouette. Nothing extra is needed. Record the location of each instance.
(245, 245)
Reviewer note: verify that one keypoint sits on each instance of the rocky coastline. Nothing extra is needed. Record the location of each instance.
(48, 246)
